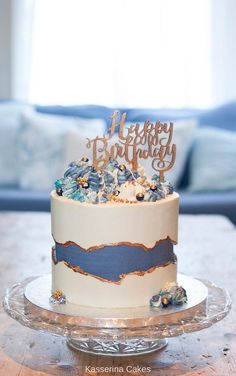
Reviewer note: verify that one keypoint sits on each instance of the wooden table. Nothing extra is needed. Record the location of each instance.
(207, 249)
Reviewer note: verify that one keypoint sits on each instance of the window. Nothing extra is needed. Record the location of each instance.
(153, 53)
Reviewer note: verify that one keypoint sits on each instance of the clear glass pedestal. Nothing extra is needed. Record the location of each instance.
(116, 332)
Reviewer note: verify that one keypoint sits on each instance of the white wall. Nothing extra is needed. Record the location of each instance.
(22, 24)
(15, 47)
(15, 24)
(223, 51)
(5, 49)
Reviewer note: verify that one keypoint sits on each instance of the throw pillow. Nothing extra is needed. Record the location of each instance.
(42, 157)
(213, 161)
(10, 115)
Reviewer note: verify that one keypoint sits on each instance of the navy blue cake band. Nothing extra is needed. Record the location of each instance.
(112, 262)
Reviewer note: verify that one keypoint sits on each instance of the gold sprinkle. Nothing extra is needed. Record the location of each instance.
(57, 294)
(82, 180)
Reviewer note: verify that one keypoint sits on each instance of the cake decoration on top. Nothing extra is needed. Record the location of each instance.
(116, 183)
(104, 179)
(153, 140)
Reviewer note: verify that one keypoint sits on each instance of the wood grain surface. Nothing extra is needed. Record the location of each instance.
(207, 249)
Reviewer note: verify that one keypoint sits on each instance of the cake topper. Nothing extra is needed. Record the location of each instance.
(152, 140)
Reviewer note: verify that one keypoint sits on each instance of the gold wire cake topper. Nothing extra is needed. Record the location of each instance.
(152, 140)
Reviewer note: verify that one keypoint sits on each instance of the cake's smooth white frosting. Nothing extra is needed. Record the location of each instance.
(91, 225)
(134, 291)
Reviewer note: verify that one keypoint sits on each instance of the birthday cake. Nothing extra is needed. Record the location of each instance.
(114, 228)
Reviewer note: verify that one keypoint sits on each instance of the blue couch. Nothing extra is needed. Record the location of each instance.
(193, 203)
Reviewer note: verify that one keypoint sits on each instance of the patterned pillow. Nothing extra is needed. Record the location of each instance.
(42, 154)
(10, 116)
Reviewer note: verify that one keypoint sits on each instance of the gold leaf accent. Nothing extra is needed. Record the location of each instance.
(94, 248)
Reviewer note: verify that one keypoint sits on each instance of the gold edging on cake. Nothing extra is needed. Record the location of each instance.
(77, 269)
(94, 248)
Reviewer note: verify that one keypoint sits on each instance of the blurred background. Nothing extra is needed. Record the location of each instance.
(65, 66)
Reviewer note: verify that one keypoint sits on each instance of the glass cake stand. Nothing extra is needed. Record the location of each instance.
(116, 332)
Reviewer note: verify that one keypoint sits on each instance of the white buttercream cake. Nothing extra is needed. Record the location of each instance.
(114, 231)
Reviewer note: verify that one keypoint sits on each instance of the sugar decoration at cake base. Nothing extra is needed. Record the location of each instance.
(171, 294)
(57, 297)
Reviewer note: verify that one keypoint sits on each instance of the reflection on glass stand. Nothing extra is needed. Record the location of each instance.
(116, 332)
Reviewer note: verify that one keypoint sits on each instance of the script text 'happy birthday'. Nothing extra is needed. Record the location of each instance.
(151, 140)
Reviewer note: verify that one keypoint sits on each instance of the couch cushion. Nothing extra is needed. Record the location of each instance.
(20, 200)
(223, 117)
(83, 111)
(141, 115)
(220, 117)
(223, 203)
(213, 161)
